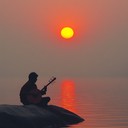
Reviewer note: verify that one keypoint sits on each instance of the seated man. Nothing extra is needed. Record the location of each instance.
(30, 94)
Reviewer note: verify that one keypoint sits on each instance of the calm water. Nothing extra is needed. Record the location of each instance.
(102, 102)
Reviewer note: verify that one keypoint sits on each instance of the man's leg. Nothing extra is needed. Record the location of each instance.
(45, 101)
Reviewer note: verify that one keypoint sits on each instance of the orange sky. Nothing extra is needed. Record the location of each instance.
(30, 37)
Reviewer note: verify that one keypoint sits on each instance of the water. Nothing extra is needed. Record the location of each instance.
(102, 102)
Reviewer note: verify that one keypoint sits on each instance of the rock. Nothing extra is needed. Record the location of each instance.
(32, 116)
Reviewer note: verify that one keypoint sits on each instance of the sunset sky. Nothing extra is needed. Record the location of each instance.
(30, 38)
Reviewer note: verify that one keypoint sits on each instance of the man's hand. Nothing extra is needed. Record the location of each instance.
(44, 90)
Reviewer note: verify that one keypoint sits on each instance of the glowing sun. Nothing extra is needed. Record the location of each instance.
(67, 32)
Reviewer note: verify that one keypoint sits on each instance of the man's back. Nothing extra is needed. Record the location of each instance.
(25, 90)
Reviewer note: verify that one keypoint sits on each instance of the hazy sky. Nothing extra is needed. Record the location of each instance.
(30, 38)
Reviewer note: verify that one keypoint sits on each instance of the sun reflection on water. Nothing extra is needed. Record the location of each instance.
(68, 95)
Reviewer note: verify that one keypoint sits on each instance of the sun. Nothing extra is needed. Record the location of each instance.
(67, 32)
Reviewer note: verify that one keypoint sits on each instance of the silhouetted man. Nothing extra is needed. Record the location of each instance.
(30, 94)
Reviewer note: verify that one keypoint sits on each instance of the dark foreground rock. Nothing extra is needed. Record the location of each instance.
(31, 116)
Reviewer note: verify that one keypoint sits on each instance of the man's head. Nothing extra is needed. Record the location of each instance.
(33, 77)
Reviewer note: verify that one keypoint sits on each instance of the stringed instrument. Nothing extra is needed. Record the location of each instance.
(35, 96)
